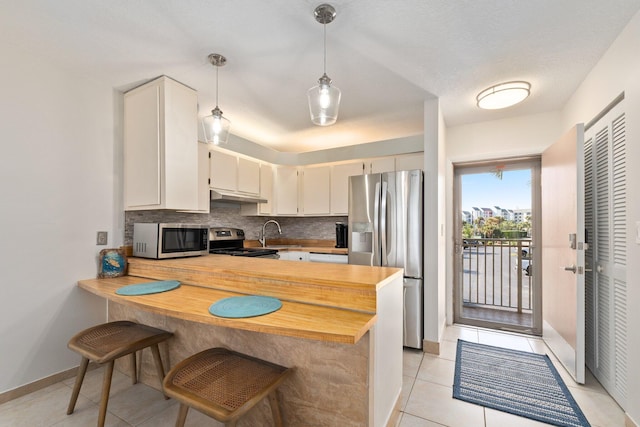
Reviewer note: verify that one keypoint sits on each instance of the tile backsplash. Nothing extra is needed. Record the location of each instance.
(228, 215)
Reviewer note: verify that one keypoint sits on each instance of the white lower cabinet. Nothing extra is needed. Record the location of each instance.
(329, 258)
(294, 255)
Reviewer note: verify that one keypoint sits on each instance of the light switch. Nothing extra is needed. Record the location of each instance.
(102, 238)
(638, 232)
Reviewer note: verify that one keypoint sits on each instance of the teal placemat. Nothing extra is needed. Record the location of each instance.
(148, 288)
(245, 306)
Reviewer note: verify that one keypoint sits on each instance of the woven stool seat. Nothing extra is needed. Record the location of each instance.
(224, 385)
(107, 342)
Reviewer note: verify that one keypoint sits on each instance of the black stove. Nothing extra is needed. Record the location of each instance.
(230, 241)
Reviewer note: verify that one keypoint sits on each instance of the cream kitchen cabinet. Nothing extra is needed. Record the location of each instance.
(266, 189)
(340, 185)
(285, 190)
(412, 161)
(316, 190)
(234, 174)
(380, 164)
(161, 146)
(294, 255)
(266, 193)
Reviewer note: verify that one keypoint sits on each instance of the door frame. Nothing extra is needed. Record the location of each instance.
(533, 163)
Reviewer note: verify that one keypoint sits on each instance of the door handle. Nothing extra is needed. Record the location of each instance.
(599, 269)
(572, 269)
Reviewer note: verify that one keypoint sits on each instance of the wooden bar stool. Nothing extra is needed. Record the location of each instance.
(107, 342)
(224, 385)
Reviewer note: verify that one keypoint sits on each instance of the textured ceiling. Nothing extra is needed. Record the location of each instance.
(387, 57)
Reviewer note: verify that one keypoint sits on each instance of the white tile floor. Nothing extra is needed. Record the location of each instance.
(427, 387)
(426, 399)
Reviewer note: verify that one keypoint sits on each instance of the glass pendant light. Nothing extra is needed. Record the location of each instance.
(324, 99)
(216, 127)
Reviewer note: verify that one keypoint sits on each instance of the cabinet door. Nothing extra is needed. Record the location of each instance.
(223, 170)
(286, 190)
(340, 186)
(266, 189)
(410, 161)
(160, 147)
(316, 189)
(382, 164)
(204, 199)
(248, 176)
(142, 146)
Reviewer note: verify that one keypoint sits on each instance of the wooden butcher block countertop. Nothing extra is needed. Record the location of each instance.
(326, 302)
(346, 286)
(192, 303)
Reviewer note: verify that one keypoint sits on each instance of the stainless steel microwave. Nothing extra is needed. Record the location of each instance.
(163, 240)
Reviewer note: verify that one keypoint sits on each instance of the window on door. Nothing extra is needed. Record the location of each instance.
(496, 230)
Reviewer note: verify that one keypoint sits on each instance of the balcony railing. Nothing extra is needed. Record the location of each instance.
(496, 273)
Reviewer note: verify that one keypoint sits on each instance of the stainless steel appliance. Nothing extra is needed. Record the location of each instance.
(230, 241)
(341, 235)
(386, 229)
(164, 240)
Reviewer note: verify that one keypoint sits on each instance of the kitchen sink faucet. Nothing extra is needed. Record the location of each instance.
(263, 239)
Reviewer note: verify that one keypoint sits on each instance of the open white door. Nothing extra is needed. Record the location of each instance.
(563, 247)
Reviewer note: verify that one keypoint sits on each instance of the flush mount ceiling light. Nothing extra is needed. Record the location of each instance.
(216, 127)
(503, 95)
(324, 99)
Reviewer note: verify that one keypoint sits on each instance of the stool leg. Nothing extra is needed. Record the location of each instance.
(182, 415)
(275, 409)
(134, 368)
(159, 369)
(231, 423)
(82, 370)
(106, 387)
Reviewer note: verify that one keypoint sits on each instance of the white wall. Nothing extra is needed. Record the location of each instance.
(618, 71)
(434, 274)
(57, 189)
(500, 139)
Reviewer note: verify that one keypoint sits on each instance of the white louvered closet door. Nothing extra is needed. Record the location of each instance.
(606, 223)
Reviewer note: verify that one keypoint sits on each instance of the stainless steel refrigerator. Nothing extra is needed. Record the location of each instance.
(385, 229)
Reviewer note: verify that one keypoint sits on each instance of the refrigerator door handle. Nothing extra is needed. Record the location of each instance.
(383, 224)
(376, 226)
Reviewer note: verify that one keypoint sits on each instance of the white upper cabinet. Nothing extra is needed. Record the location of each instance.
(285, 189)
(266, 189)
(379, 165)
(316, 190)
(248, 176)
(161, 147)
(408, 162)
(223, 171)
(232, 173)
(340, 185)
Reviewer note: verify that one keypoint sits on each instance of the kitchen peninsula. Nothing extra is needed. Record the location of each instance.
(340, 326)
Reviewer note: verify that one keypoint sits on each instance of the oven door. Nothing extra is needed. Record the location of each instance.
(178, 240)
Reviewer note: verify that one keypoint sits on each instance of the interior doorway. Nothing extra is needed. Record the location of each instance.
(497, 205)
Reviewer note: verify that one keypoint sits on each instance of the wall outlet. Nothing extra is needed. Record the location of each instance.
(102, 238)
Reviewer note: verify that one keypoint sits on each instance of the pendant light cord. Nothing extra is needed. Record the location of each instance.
(325, 48)
(217, 68)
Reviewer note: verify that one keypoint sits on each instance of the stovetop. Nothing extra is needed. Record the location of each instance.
(230, 241)
(253, 252)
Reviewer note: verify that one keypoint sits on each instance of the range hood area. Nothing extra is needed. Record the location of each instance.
(229, 196)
